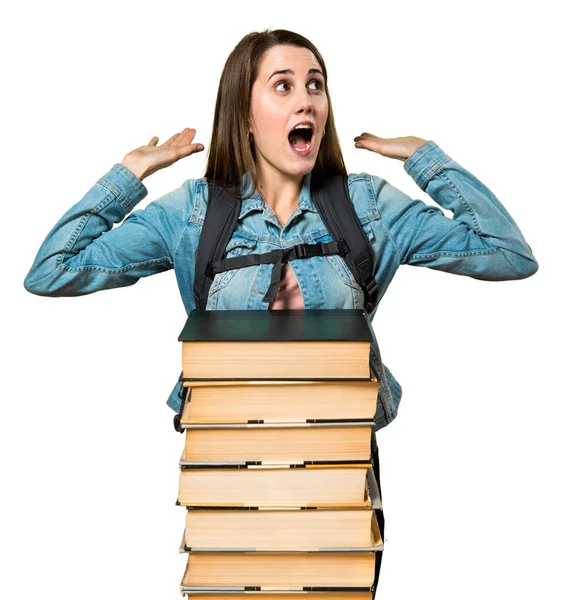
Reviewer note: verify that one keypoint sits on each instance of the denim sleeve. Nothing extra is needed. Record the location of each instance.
(481, 240)
(85, 253)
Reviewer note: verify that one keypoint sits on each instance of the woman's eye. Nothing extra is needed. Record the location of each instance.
(281, 83)
(318, 82)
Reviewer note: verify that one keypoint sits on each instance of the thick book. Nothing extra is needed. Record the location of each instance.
(318, 530)
(311, 443)
(279, 401)
(273, 571)
(280, 344)
(371, 499)
(296, 486)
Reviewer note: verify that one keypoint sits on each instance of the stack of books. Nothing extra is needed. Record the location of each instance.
(279, 472)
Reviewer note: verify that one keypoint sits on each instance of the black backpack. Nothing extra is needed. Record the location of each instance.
(331, 198)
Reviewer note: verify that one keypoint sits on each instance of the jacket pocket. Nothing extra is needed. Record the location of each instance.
(235, 247)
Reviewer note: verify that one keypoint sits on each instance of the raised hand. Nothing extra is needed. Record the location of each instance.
(145, 160)
(400, 148)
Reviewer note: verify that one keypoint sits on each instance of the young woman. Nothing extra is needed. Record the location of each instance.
(273, 126)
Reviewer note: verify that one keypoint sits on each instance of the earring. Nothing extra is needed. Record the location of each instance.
(250, 137)
(323, 133)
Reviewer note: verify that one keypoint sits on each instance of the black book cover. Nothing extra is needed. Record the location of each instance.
(332, 325)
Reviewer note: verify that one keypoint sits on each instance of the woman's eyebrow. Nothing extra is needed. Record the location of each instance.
(291, 72)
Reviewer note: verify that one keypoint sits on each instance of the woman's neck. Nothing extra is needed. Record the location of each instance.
(279, 191)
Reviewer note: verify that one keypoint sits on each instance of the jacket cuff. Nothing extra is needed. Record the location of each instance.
(126, 187)
(423, 164)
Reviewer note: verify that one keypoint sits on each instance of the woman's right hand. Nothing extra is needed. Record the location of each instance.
(145, 160)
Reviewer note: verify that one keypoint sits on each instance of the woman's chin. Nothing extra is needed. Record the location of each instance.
(293, 165)
(302, 164)
(299, 173)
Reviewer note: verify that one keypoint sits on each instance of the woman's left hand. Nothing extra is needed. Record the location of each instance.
(401, 148)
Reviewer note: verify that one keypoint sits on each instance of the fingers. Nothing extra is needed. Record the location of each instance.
(185, 150)
(368, 141)
(189, 149)
(180, 142)
(171, 140)
(399, 147)
(184, 138)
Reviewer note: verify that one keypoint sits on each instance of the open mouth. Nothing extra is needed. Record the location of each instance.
(300, 139)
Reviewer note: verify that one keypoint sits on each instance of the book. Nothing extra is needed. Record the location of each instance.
(318, 530)
(262, 571)
(281, 344)
(307, 443)
(279, 401)
(274, 485)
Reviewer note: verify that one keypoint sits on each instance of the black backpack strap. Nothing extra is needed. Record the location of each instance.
(331, 197)
(219, 222)
(278, 257)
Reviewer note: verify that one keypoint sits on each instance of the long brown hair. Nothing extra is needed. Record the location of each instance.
(230, 155)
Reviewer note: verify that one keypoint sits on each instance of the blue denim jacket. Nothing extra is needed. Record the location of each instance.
(84, 253)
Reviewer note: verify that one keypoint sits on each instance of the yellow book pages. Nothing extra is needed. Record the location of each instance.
(274, 569)
(283, 401)
(312, 485)
(281, 529)
(270, 360)
(278, 444)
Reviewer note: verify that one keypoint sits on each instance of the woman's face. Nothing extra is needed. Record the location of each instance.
(279, 102)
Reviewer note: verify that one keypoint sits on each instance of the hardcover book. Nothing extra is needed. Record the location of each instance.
(280, 344)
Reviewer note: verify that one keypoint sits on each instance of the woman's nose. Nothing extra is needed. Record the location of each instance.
(303, 101)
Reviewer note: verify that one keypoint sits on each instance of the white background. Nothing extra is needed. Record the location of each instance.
(472, 467)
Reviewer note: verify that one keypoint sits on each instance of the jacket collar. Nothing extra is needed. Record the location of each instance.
(255, 202)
